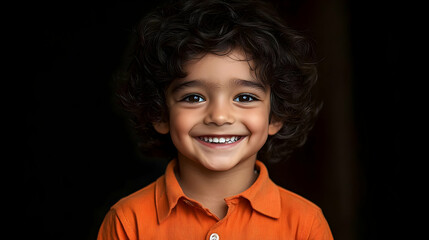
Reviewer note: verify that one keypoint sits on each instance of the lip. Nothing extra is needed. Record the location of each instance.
(217, 145)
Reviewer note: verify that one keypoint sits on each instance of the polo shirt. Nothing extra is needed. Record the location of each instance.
(264, 211)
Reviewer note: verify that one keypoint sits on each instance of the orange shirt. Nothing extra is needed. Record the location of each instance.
(264, 211)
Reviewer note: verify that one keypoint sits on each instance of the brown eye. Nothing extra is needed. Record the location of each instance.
(193, 98)
(245, 98)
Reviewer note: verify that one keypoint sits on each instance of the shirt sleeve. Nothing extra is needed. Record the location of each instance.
(320, 229)
(113, 228)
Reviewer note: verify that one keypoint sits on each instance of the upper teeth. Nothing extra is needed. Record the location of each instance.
(219, 139)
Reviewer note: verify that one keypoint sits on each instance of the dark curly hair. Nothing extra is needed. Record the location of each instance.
(178, 32)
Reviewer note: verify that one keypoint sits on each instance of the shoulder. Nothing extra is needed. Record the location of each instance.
(291, 201)
(139, 206)
(143, 199)
(307, 216)
(124, 217)
(142, 195)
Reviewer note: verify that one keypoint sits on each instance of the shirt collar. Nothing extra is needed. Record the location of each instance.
(167, 192)
(263, 195)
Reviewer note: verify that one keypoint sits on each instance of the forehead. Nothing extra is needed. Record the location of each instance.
(221, 69)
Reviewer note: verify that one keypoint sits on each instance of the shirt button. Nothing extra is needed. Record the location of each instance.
(214, 236)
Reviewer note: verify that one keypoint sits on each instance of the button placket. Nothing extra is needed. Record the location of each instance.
(232, 203)
(214, 236)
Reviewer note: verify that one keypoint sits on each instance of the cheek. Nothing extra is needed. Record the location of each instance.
(181, 123)
(258, 122)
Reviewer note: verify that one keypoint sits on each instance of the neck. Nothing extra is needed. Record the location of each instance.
(210, 188)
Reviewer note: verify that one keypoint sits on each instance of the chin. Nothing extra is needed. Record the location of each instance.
(223, 163)
(220, 164)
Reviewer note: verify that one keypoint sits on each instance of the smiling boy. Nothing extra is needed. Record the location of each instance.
(219, 119)
(229, 83)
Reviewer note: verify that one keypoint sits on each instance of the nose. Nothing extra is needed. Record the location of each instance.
(219, 113)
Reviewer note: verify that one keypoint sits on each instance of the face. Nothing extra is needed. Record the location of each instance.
(218, 113)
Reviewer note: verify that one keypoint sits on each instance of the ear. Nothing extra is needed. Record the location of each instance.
(274, 127)
(161, 127)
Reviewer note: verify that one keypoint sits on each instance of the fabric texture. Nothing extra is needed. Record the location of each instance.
(264, 211)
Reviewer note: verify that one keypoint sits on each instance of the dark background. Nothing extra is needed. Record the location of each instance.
(79, 155)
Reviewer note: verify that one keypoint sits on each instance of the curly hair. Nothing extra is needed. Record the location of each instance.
(178, 32)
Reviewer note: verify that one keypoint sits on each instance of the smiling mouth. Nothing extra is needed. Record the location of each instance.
(220, 140)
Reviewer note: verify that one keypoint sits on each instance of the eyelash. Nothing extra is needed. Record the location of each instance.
(192, 97)
(247, 97)
(195, 98)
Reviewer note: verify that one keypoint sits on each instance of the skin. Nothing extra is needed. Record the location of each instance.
(219, 98)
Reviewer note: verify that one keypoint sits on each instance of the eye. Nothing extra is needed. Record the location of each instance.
(193, 98)
(245, 98)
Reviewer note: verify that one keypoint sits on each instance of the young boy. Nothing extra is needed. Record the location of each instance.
(228, 83)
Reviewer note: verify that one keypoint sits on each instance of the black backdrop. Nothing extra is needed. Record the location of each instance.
(79, 154)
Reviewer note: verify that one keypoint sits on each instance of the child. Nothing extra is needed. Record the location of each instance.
(227, 83)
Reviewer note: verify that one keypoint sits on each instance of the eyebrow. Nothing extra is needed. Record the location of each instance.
(251, 84)
(192, 83)
(237, 82)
